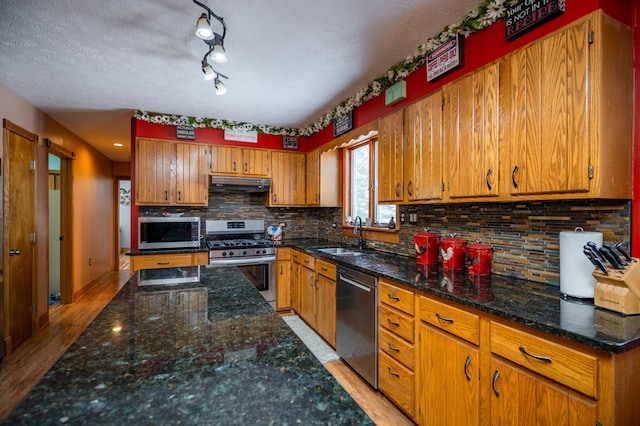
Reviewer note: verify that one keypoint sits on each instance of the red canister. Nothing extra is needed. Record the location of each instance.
(479, 256)
(426, 244)
(452, 251)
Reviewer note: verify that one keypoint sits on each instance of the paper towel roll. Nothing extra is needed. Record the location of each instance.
(575, 269)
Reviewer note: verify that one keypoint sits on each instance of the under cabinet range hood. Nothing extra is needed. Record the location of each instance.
(238, 184)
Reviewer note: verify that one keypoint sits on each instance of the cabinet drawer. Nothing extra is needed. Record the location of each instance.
(572, 368)
(307, 261)
(396, 382)
(397, 348)
(283, 254)
(454, 320)
(327, 269)
(397, 297)
(161, 261)
(296, 256)
(398, 323)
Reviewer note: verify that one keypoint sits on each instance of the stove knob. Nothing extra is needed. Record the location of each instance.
(230, 253)
(264, 251)
(244, 252)
(258, 251)
(224, 253)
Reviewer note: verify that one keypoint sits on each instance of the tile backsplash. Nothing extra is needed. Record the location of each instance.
(524, 236)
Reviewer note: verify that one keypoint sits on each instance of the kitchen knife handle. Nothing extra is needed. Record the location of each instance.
(594, 249)
(623, 252)
(614, 254)
(610, 258)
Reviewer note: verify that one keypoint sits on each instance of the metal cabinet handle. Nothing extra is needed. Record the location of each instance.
(466, 364)
(164, 263)
(323, 269)
(544, 359)
(409, 185)
(393, 373)
(496, 374)
(392, 297)
(441, 318)
(246, 167)
(486, 179)
(397, 324)
(392, 348)
(274, 198)
(14, 252)
(234, 166)
(397, 189)
(166, 195)
(179, 196)
(281, 271)
(513, 176)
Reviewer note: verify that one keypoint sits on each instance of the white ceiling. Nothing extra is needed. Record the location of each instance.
(90, 63)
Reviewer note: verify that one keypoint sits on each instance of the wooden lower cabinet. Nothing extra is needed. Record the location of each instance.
(326, 301)
(308, 296)
(519, 397)
(169, 260)
(283, 278)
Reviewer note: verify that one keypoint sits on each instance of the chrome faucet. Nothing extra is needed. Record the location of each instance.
(355, 231)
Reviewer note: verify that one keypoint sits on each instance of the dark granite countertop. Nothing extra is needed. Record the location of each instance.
(539, 306)
(209, 352)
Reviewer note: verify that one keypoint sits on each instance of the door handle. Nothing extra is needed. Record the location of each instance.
(14, 252)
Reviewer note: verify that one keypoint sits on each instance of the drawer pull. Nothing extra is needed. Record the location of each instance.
(164, 263)
(496, 374)
(538, 357)
(323, 269)
(392, 297)
(466, 364)
(397, 324)
(441, 318)
(393, 373)
(392, 348)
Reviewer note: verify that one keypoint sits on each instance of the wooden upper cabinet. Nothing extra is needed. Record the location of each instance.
(231, 160)
(155, 172)
(288, 179)
(171, 173)
(390, 158)
(313, 178)
(192, 186)
(423, 149)
(472, 133)
(571, 112)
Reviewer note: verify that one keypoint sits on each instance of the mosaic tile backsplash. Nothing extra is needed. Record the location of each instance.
(524, 236)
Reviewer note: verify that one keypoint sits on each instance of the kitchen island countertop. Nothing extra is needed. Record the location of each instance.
(208, 352)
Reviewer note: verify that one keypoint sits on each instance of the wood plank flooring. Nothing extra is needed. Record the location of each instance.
(21, 370)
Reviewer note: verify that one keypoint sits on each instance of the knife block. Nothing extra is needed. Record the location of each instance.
(620, 290)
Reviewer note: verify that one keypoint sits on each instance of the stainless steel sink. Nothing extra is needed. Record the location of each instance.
(340, 251)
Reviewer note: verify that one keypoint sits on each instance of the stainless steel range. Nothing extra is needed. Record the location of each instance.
(242, 243)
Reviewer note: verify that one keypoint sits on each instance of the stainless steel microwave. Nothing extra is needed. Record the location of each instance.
(168, 232)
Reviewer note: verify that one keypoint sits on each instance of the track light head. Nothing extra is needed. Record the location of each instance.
(221, 89)
(218, 53)
(209, 73)
(203, 28)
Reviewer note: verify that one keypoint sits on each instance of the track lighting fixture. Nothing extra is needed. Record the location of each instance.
(215, 42)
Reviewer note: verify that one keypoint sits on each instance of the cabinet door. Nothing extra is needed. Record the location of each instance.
(550, 114)
(308, 296)
(449, 391)
(283, 285)
(522, 398)
(423, 149)
(313, 178)
(471, 133)
(288, 179)
(295, 286)
(326, 309)
(390, 160)
(255, 162)
(226, 160)
(155, 172)
(191, 174)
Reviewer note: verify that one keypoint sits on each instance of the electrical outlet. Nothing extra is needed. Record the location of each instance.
(283, 224)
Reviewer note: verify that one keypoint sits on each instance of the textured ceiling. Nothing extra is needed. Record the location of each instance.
(90, 63)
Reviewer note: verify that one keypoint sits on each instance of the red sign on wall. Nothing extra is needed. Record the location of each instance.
(528, 14)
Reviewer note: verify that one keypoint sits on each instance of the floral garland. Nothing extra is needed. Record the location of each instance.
(476, 20)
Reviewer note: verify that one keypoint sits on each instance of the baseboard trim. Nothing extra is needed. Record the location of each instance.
(90, 285)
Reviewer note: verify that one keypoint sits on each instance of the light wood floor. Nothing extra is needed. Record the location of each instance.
(21, 370)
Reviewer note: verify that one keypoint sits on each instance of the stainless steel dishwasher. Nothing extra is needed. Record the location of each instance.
(357, 322)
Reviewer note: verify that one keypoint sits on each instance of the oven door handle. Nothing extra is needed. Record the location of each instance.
(240, 261)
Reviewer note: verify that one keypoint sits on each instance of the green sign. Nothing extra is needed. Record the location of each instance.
(395, 93)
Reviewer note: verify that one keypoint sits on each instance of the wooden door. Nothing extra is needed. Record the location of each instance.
(471, 133)
(522, 398)
(450, 385)
(308, 296)
(19, 186)
(326, 309)
(226, 160)
(256, 162)
(550, 114)
(423, 149)
(192, 170)
(390, 158)
(155, 172)
(313, 178)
